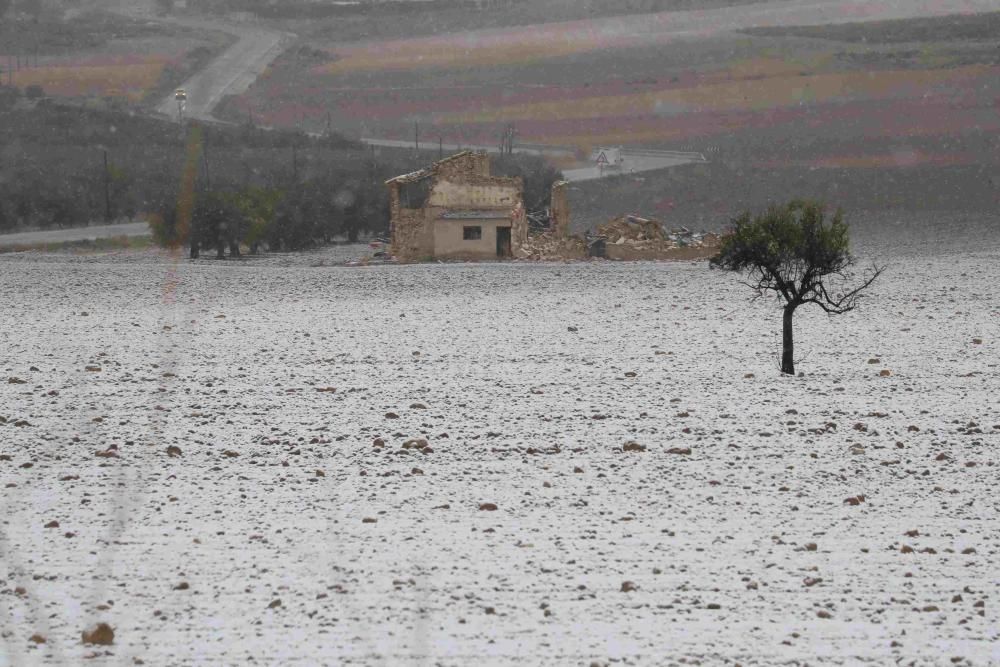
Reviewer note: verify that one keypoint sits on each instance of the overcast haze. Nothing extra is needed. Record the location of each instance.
(452, 332)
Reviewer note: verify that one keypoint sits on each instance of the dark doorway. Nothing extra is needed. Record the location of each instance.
(503, 242)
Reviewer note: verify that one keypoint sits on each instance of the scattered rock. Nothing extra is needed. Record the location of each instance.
(487, 507)
(230, 454)
(628, 587)
(52, 524)
(101, 635)
(391, 415)
(681, 451)
(36, 639)
(173, 450)
(632, 446)
(274, 604)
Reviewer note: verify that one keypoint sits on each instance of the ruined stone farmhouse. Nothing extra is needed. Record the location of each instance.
(455, 209)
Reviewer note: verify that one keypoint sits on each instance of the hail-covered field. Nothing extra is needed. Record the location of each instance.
(279, 461)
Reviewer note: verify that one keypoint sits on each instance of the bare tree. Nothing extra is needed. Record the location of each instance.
(795, 252)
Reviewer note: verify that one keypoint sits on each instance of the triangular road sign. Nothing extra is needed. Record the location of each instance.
(602, 158)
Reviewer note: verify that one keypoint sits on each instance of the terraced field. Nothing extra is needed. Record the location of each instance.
(675, 79)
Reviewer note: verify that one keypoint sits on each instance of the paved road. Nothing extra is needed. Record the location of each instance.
(231, 73)
(74, 234)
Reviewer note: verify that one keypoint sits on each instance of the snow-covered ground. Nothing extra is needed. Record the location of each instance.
(525, 380)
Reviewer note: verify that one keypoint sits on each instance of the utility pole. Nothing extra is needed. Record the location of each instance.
(107, 189)
(440, 148)
(295, 165)
(416, 137)
(204, 159)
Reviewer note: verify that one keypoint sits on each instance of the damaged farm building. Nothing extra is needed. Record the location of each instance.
(456, 209)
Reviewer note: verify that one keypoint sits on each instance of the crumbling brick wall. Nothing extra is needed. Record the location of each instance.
(559, 207)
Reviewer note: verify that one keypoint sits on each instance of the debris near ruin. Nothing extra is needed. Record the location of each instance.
(548, 233)
(550, 247)
(633, 237)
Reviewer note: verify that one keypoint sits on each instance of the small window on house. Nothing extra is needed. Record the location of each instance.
(472, 233)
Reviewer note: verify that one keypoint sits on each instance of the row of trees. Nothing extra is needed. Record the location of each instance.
(267, 218)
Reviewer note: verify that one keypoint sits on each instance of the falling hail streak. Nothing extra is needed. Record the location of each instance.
(185, 208)
(185, 197)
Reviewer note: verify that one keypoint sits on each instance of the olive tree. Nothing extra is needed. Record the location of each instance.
(799, 254)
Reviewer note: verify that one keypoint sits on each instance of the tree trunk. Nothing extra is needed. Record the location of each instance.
(234, 249)
(194, 250)
(787, 343)
(220, 249)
